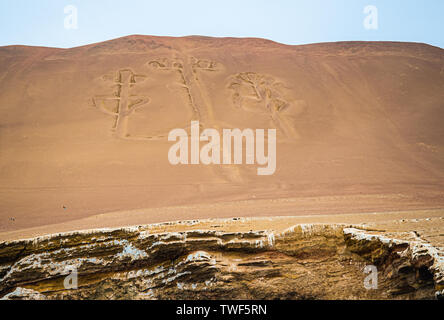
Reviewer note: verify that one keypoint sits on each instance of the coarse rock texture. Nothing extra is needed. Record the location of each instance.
(306, 261)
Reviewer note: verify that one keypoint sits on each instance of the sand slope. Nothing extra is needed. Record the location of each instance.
(83, 130)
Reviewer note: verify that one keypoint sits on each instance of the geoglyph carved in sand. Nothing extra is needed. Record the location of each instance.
(122, 104)
(252, 92)
(260, 94)
(189, 80)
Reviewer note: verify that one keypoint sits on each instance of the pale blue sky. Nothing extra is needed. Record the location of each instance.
(41, 22)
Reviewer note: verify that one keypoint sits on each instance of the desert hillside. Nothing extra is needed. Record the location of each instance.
(83, 131)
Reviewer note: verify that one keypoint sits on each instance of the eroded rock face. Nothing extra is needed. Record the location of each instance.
(303, 262)
(409, 266)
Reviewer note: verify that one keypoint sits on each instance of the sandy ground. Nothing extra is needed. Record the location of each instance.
(83, 131)
(428, 224)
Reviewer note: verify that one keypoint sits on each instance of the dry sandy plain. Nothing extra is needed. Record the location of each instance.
(83, 133)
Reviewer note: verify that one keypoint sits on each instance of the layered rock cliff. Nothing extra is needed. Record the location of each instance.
(316, 261)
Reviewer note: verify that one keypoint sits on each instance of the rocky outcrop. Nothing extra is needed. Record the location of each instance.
(410, 266)
(303, 262)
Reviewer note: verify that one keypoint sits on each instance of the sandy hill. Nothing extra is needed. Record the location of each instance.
(83, 130)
